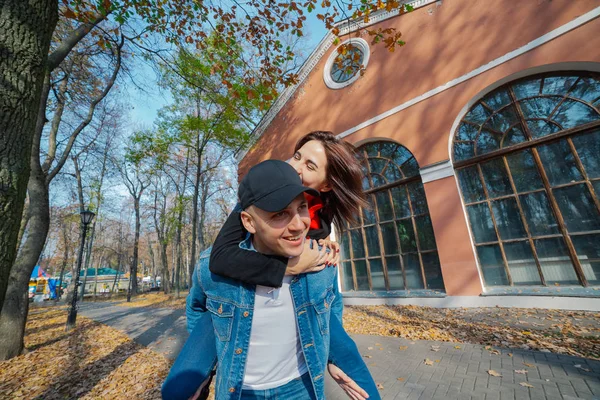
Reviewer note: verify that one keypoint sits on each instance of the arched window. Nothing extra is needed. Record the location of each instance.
(392, 246)
(527, 157)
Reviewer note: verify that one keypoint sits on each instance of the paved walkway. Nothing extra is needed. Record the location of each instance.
(399, 365)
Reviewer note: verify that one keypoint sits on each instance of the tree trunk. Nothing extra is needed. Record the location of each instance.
(195, 205)
(25, 32)
(136, 245)
(166, 280)
(16, 303)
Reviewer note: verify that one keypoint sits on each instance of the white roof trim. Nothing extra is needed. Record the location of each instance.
(345, 28)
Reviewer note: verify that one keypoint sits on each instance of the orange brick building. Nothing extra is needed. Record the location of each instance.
(481, 140)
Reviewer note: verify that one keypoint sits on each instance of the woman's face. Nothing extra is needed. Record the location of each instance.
(310, 161)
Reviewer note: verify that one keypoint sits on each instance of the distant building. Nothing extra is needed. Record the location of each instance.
(481, 146)
(107, 277)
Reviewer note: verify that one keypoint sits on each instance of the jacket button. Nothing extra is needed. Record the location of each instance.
(246, 313)
(238, 351)
(231, 390)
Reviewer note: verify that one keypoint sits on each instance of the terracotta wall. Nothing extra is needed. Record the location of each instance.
(445, 40)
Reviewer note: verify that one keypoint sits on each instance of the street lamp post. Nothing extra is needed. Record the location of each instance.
(129, 285)
(86, 218)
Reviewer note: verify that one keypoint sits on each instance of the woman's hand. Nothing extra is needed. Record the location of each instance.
(311, 259)
(353, 391)
(333, 257)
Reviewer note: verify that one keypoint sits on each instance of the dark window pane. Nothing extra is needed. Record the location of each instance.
(521, 263)
(477, 115)
(587, 89)
(345, 246)
(395, 273)
(392, 173)
(502, 120)
(496, 178)
(596, 185)
(539, 216)
(588, 149)
(492, 265)
(362, 280)
(347, 279)
(377, 278)
(578, 208)
(539, 107)
(467, 132)
(470, 183)
(481, 223)
(558, 84)
(425, 233)
(508, 219)
(527, 88)
(388, 149)
(384, 206)
(377, 165)
(559, 163)
(539, 128)
(573, 113)
(497, 99)
(358, 248)
(417, 198)
(487, 142)
(407, 236)
(401, 156)
(514, 136)
(369, 213)
(555, 262)
(401, 207)
(410, 168)
(372, 241)
(463, 151)
(433, 271)
(588, 252)
(378, 180)
(524, 171)
(390, 245)
(414, 279)
(372, 149)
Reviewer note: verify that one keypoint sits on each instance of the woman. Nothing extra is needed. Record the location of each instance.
(330, 166)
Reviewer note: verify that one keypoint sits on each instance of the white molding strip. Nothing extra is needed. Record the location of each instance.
(345, 27)
(433, 172)
(544, 302)
(577, 22)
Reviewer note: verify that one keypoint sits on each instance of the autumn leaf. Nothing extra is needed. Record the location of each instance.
(435, 348)
(400, 379)
(369, 348)
(428, 362)
(379, 386)
(368, 356)
(525, 384)
(491, 372)
(528, 365)
(403, 348)
(457, 347)
(520, 371)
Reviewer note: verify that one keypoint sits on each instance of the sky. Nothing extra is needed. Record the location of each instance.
(147, 103)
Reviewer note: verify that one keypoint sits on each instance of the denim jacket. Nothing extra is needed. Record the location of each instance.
(230, 304)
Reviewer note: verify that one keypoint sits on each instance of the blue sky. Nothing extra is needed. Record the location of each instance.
(146, 104)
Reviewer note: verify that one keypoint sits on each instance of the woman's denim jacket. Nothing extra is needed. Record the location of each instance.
(230, 304)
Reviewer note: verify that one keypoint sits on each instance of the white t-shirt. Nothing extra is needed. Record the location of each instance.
(275, 353)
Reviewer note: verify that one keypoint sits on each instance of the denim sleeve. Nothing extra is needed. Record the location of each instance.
(195, 304)
(343, 351)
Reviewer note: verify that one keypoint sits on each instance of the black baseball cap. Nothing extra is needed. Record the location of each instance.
(271, 186)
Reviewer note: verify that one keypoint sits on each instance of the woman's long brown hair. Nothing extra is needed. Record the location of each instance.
(344, 174)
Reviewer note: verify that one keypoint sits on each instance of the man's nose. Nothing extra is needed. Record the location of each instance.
(296, 224)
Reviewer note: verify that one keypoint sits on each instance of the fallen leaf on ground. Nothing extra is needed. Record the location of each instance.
(435, 348)
(379, 386)
(457, 347)
(528, 365)
(428, 361)
(368, 356)
(369, 348)
(400, 379)
(494, 373)
(403, 348)
(525, 384)
(520, 371)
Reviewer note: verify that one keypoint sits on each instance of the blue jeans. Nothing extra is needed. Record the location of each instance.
(297, 389)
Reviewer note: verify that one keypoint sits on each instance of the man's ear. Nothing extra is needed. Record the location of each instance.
(248, 222)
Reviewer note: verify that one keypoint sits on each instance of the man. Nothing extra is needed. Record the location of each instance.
(271, 342)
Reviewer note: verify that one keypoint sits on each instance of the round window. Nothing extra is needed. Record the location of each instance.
(344, 64)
